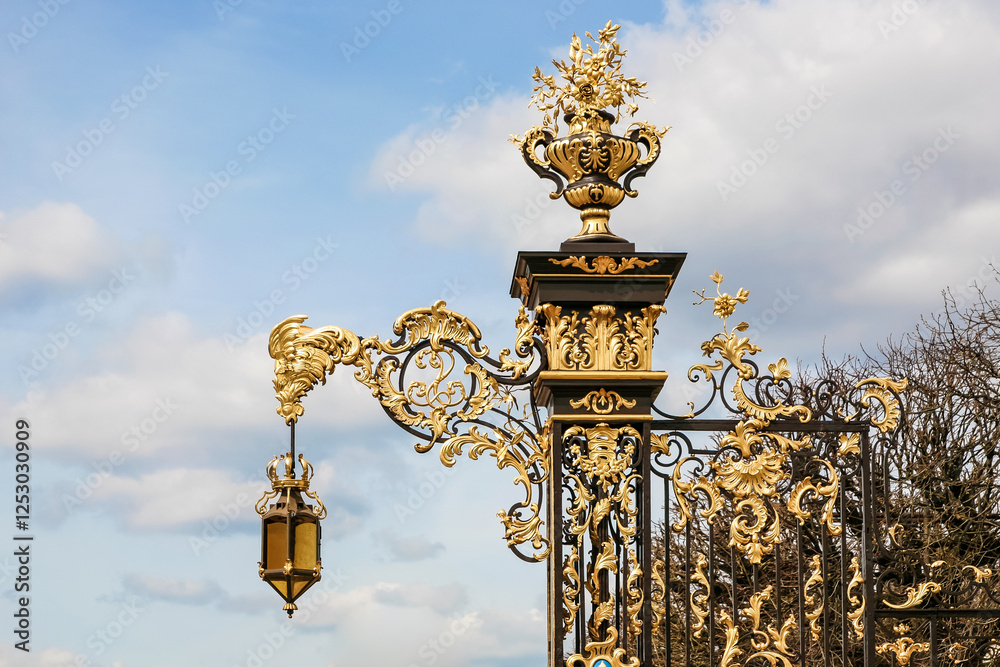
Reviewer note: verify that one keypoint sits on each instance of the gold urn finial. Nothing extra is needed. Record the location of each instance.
(586, 164)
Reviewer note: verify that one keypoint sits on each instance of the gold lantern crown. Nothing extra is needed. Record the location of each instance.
(586, 164)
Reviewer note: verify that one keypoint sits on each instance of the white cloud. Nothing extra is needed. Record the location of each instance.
(53, 243)
(168, 498)
(447, 637)
(181, 591)
(445, 599)
(932, 261)
(408, 549)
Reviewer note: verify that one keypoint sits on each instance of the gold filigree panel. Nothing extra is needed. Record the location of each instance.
(448, 400)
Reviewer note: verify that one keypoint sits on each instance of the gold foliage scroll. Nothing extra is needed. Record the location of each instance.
(916, 595)
(755, 462)
(604, 264)
(882, 391)
(857, 614)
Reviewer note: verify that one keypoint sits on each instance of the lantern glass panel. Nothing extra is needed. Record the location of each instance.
(277, 544)
(305, 545)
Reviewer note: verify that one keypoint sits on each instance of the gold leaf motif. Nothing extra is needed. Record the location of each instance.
(829, 490)
(684, 489)
(813, 615)
(915, 596)
(660, 444)
(699, 598)
(779, 371)
(602, 402)
(525, 286)
(571, 590)
(633, 588)
(731, 651)
(604, 264)
(979, 574)
(760, 639)
(882, 390)
(436, 325)
(781, 638)
(659, 593)
(523, 345)
(755, 540)
(303, 357)
(849, 444)
(903, 649)
(857, 615)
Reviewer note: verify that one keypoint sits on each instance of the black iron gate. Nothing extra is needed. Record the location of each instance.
(772, 533)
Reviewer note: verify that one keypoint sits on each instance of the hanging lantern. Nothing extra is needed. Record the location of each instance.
(290, 535)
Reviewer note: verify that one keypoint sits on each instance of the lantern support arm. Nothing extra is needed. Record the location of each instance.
(437, 382)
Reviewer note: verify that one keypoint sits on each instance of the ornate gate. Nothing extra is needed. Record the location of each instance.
(762, 527)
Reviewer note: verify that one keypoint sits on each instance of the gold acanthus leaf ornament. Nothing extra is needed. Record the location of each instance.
(806, 488)
(633, 587)
(571, 590)
(916, 595)
(755, 539)
(980, 574)
(659, 593)
(699, 596)
(769, 644)
(601, 340)
(303, 357)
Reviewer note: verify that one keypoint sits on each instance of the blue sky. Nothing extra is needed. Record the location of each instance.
(176, 179)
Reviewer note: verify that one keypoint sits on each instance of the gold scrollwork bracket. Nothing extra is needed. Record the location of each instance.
(444, 406)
